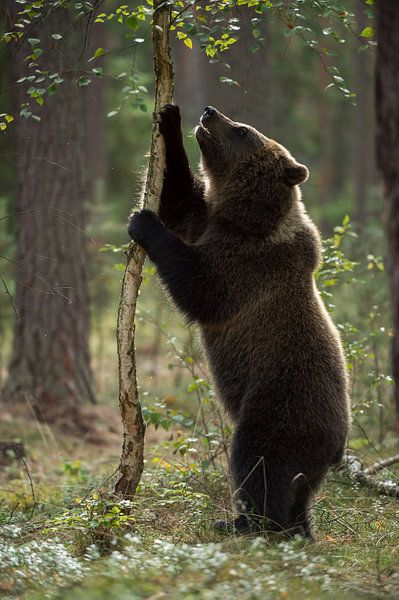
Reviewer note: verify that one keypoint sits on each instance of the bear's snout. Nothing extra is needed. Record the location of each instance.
(209, 111)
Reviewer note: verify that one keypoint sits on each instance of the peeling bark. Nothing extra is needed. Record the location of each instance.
(131, 461)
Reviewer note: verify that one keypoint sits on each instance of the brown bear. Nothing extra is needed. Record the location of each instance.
(237, 252)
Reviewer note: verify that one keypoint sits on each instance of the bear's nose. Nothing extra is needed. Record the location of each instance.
(209, 111)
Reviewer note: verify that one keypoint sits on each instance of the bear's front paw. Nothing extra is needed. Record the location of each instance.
(169, 119)
(144, 226)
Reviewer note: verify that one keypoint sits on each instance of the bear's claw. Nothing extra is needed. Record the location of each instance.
(168, 118)
(142, 225)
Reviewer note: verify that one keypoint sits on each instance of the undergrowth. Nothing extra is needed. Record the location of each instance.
(76, 542)
(64, 536)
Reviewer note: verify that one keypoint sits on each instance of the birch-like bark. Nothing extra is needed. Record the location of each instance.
(355, 469)
(131, 461)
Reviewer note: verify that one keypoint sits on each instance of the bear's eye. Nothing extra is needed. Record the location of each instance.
(242, 131)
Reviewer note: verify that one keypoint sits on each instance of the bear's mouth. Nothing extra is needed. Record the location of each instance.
(203, 134)
(203, 127)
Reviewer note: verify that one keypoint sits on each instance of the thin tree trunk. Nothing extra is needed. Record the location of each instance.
(131, 462)
(387, 146)
(50, 366)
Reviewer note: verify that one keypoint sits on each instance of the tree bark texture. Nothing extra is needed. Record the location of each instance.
(95, 116)
(131, 462)
(50, 367)
(355, 469)
(363, 151)
(387, 147)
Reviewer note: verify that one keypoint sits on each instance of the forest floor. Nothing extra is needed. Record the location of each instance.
(64, 536)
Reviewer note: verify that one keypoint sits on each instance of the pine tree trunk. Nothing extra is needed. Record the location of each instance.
(387, 146)
(364, 143)
(50, 368)
(95, 118)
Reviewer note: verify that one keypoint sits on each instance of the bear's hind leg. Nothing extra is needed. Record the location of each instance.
(249, 481)
(264, 490)
(267, 498)
(280, 499)
(302, 514)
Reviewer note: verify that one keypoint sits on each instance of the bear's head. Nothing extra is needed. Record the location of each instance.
(230, 150)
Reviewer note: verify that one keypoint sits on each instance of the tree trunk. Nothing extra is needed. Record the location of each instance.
(387, 146)
(95, 118)
(131, 462)
(50, 368)
(363, 147)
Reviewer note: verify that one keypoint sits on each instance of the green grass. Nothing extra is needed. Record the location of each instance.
(75, 541)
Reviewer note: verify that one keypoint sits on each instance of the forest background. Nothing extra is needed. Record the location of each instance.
(65, 535)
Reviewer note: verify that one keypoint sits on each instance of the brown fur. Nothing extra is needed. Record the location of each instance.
(242, 266)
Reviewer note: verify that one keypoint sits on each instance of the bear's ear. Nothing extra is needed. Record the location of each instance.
(295, 173)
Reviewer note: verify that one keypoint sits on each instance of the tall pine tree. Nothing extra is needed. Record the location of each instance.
(50, 367)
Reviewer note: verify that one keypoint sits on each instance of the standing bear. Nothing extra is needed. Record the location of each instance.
(237, 253)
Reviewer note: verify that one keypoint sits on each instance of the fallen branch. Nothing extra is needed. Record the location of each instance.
(381, 464)
(355, 469)
(131, 461)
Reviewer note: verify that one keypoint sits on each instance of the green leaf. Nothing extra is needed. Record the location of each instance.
(52, 88)
(99, 52)
(84, 81)
(132, 22)
(37, 52)
(368, 32)
(346, 220)
(188, 43)
(229, 81)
